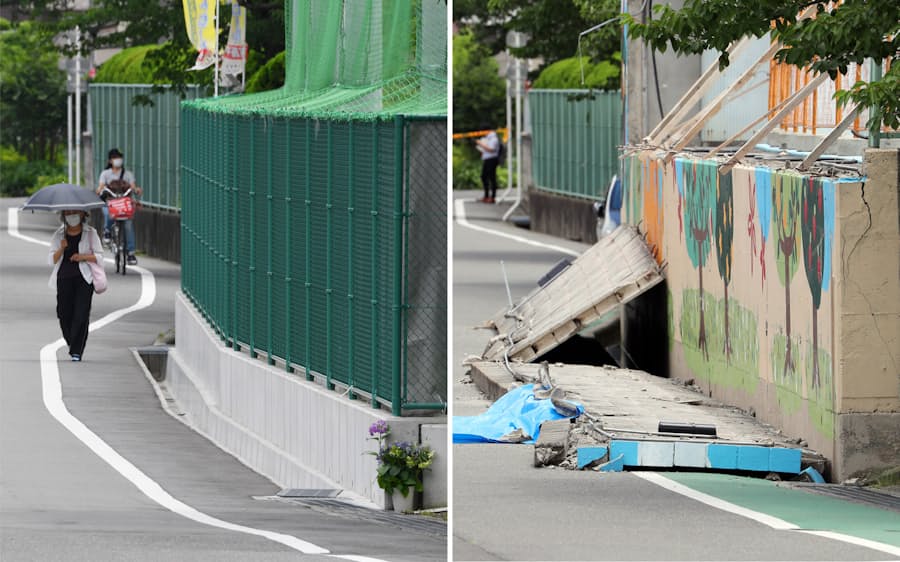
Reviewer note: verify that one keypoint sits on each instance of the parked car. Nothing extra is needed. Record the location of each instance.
(609, 215)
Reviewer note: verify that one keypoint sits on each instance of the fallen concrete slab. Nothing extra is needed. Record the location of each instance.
(613, 271)
(627, 406)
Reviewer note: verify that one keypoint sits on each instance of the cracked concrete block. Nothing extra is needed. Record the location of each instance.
(552, 444)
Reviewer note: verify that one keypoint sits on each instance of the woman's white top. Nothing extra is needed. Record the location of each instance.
(89, 244)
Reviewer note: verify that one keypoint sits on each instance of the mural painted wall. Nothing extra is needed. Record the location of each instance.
(748, 259)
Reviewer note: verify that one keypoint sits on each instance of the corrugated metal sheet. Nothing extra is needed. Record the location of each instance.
(148, 135)
(575, 135)
(613, 271)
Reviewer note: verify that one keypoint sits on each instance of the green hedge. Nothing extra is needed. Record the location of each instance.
(127, 67)
(269, 76)
(566, 74)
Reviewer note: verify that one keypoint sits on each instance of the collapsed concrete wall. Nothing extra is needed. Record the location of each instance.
(783, 294)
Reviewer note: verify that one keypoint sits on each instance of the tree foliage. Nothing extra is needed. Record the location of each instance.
(553, 26)
(127, 23)
(478, 91)
(836, 36)
(32, 93)
(269, 77)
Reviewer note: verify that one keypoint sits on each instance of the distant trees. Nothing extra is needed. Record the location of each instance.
(553, 25)
(32, 106)
(479, 93)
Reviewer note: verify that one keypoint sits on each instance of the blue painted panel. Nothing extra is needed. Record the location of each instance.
(587, 455)
(614, 465)
(722, 456)
(629, 450)
(753, 458)
(784, 460)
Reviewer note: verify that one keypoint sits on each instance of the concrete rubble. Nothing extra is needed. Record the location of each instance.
(620, 426)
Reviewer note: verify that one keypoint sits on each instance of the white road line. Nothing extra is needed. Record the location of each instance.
(52, 394)
(874, 545)
(768, 520)
(461, 219)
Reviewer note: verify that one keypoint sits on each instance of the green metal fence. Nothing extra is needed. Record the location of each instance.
(314, 225)
(148, 135)
(575, 135)
(323, 244)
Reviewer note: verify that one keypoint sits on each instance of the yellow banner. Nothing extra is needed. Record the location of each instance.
(200, 21)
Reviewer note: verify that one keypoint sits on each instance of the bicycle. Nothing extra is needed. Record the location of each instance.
(121, 208)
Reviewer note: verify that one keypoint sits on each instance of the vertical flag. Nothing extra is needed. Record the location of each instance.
(199, 18)
(234, 59)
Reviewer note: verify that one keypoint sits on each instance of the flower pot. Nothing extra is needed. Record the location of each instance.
(403, 504)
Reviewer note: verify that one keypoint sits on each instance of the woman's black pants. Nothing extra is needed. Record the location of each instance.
(73, 308)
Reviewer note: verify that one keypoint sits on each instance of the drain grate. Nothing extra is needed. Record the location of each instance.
(853, 493)
(412, 523)
(308, 493)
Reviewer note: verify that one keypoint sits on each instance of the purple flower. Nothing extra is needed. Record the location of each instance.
(379, 428)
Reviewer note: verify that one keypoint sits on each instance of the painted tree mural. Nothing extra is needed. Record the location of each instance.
(787, 192)
(678, 163)
(763, 185)
(751, 223)
(813, 234)
(724, 239)
(699, 208)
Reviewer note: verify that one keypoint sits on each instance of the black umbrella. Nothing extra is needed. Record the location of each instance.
(63, 197)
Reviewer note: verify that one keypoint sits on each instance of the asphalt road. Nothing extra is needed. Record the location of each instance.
(60, 501)
(504, 509)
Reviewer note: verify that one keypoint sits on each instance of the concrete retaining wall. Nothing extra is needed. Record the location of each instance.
(567, 217)
(292, 431)
(783, 295)
(158, 233)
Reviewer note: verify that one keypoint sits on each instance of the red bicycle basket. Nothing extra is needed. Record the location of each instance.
(121, 208)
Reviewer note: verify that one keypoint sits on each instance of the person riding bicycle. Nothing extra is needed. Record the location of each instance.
(118, 180)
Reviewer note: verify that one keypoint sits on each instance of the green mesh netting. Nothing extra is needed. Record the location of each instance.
(314, 216)
(360, 59)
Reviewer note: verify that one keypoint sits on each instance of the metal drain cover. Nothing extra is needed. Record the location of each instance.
(308, 493)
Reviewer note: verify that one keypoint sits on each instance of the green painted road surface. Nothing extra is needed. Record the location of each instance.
(807, 510)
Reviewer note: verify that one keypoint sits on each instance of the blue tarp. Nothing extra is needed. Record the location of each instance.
(517, 409)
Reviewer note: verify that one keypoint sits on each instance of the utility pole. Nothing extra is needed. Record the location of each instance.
(77, 105)
(517, 39)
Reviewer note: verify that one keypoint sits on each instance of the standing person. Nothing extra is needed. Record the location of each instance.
(117, 179)
(73, 245)
(489, 147)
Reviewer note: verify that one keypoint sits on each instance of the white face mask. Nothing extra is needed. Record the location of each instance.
(117, 162)
(73, 220)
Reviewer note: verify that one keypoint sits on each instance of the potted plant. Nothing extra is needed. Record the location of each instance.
(400, 466)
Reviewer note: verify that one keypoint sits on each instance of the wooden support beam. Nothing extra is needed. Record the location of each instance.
(832, 136)
(740, 133)
(801, 95)
(710, 110)
(692, 96)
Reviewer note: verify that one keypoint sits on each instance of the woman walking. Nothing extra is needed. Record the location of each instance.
(73, 245)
